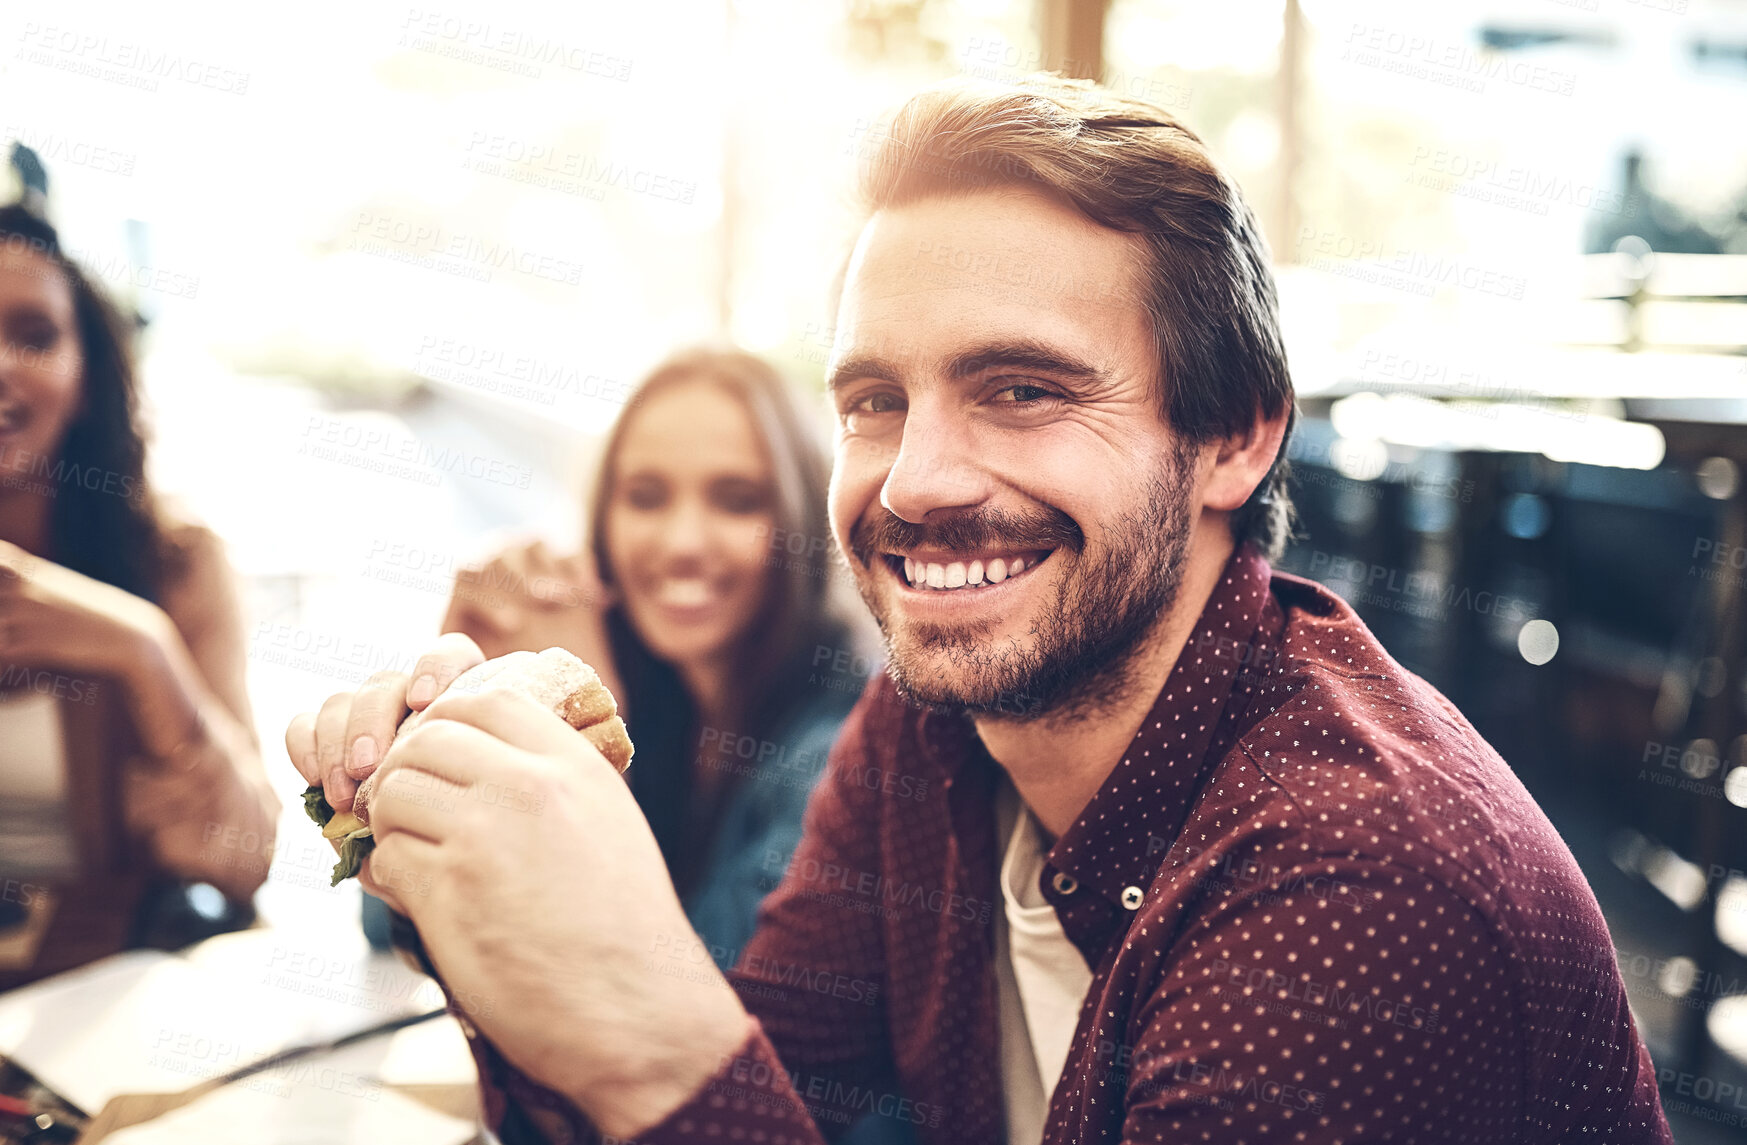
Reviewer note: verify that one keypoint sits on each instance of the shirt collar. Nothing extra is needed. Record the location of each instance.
(1124, 832)
(1101, 867)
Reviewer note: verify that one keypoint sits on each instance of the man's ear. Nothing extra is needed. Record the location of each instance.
(1241, 460)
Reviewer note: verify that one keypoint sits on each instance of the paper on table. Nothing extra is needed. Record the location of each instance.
(320, 1107)
(148, 1022)
(47, 1027)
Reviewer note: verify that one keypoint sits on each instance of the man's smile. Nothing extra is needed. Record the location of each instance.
(934, 571)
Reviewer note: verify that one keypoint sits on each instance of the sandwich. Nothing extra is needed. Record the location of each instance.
(554, 678)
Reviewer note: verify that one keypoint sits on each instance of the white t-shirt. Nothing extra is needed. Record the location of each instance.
(1040, 976)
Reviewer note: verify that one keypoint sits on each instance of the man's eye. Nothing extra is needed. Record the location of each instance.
(872, 405)
(1023, 394)
(877, 403)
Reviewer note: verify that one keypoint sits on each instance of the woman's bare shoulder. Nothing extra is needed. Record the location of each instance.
(197, 572)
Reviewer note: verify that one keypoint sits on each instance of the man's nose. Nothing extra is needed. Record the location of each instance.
(934, 470)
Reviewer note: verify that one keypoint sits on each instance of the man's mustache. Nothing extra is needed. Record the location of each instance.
(967, 531)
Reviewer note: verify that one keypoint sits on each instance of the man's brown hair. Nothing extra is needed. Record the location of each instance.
(1132, 167)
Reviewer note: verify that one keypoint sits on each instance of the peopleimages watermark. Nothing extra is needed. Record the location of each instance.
(200, 1056)
(45, 473)
(46, 683)
(113, 268)
(510, 373)
(570, 172)
(1424, 594)
(1382, 263)
(1386, 371)
(504, 47)
(419, 569)
(722, 749)
(371, 984)
(994, 58)
(1678, 978)
(1331, 997)
(792, 549)
(430, 246)
(1718, 561)
(870, 892)
(1448, 63)
(22, 893)
(135, 65)
(1687, 769)
(691, 959)
(1266, 883)
(1724, 1102)
(1221, 1086)
(1007, 277)
(1511, 185)
(332, 654)
(69, 151)
(826, 1098)
(841, 669)
(1370, 464)
(380, 450)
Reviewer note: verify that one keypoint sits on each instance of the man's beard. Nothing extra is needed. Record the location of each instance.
(1087, 639)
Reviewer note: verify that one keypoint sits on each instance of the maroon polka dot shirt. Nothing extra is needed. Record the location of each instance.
(1316, 905)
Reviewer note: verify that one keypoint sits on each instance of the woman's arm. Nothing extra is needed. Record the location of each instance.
(201, 798)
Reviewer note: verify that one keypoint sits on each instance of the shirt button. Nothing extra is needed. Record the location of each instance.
(1064, 883)
(1132, 897)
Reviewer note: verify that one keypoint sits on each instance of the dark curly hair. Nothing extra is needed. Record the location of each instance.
(109, 529)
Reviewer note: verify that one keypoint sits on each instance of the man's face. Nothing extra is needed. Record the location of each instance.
(1013, 505)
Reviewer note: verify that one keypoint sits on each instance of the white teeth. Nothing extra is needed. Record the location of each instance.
(686, 593)
(958, 574)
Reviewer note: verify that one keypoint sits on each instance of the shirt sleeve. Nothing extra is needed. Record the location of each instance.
(813, 976)
(1336, 1001)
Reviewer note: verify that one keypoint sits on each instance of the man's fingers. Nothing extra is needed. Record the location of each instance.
(401, 870)
(453, 654)
(300, 746)
(416, 801)
(506, 715)
(377, 709)
(330, 737)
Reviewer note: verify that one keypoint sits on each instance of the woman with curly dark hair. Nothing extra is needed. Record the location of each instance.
(128, 760)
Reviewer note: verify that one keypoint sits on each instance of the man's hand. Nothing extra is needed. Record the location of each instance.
(339, 746)
(541, 897)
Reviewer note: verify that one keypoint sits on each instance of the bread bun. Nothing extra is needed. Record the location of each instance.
(556, 680)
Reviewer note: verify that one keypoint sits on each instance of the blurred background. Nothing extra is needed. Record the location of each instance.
(398, 266)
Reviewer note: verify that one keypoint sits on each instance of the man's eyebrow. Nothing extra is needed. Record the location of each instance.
(855, 369)
(1023, 354)
(1013, 354)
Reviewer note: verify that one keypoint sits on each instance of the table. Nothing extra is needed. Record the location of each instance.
(127, 1037)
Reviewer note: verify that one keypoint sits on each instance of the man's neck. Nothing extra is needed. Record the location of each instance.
(1058, 765)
